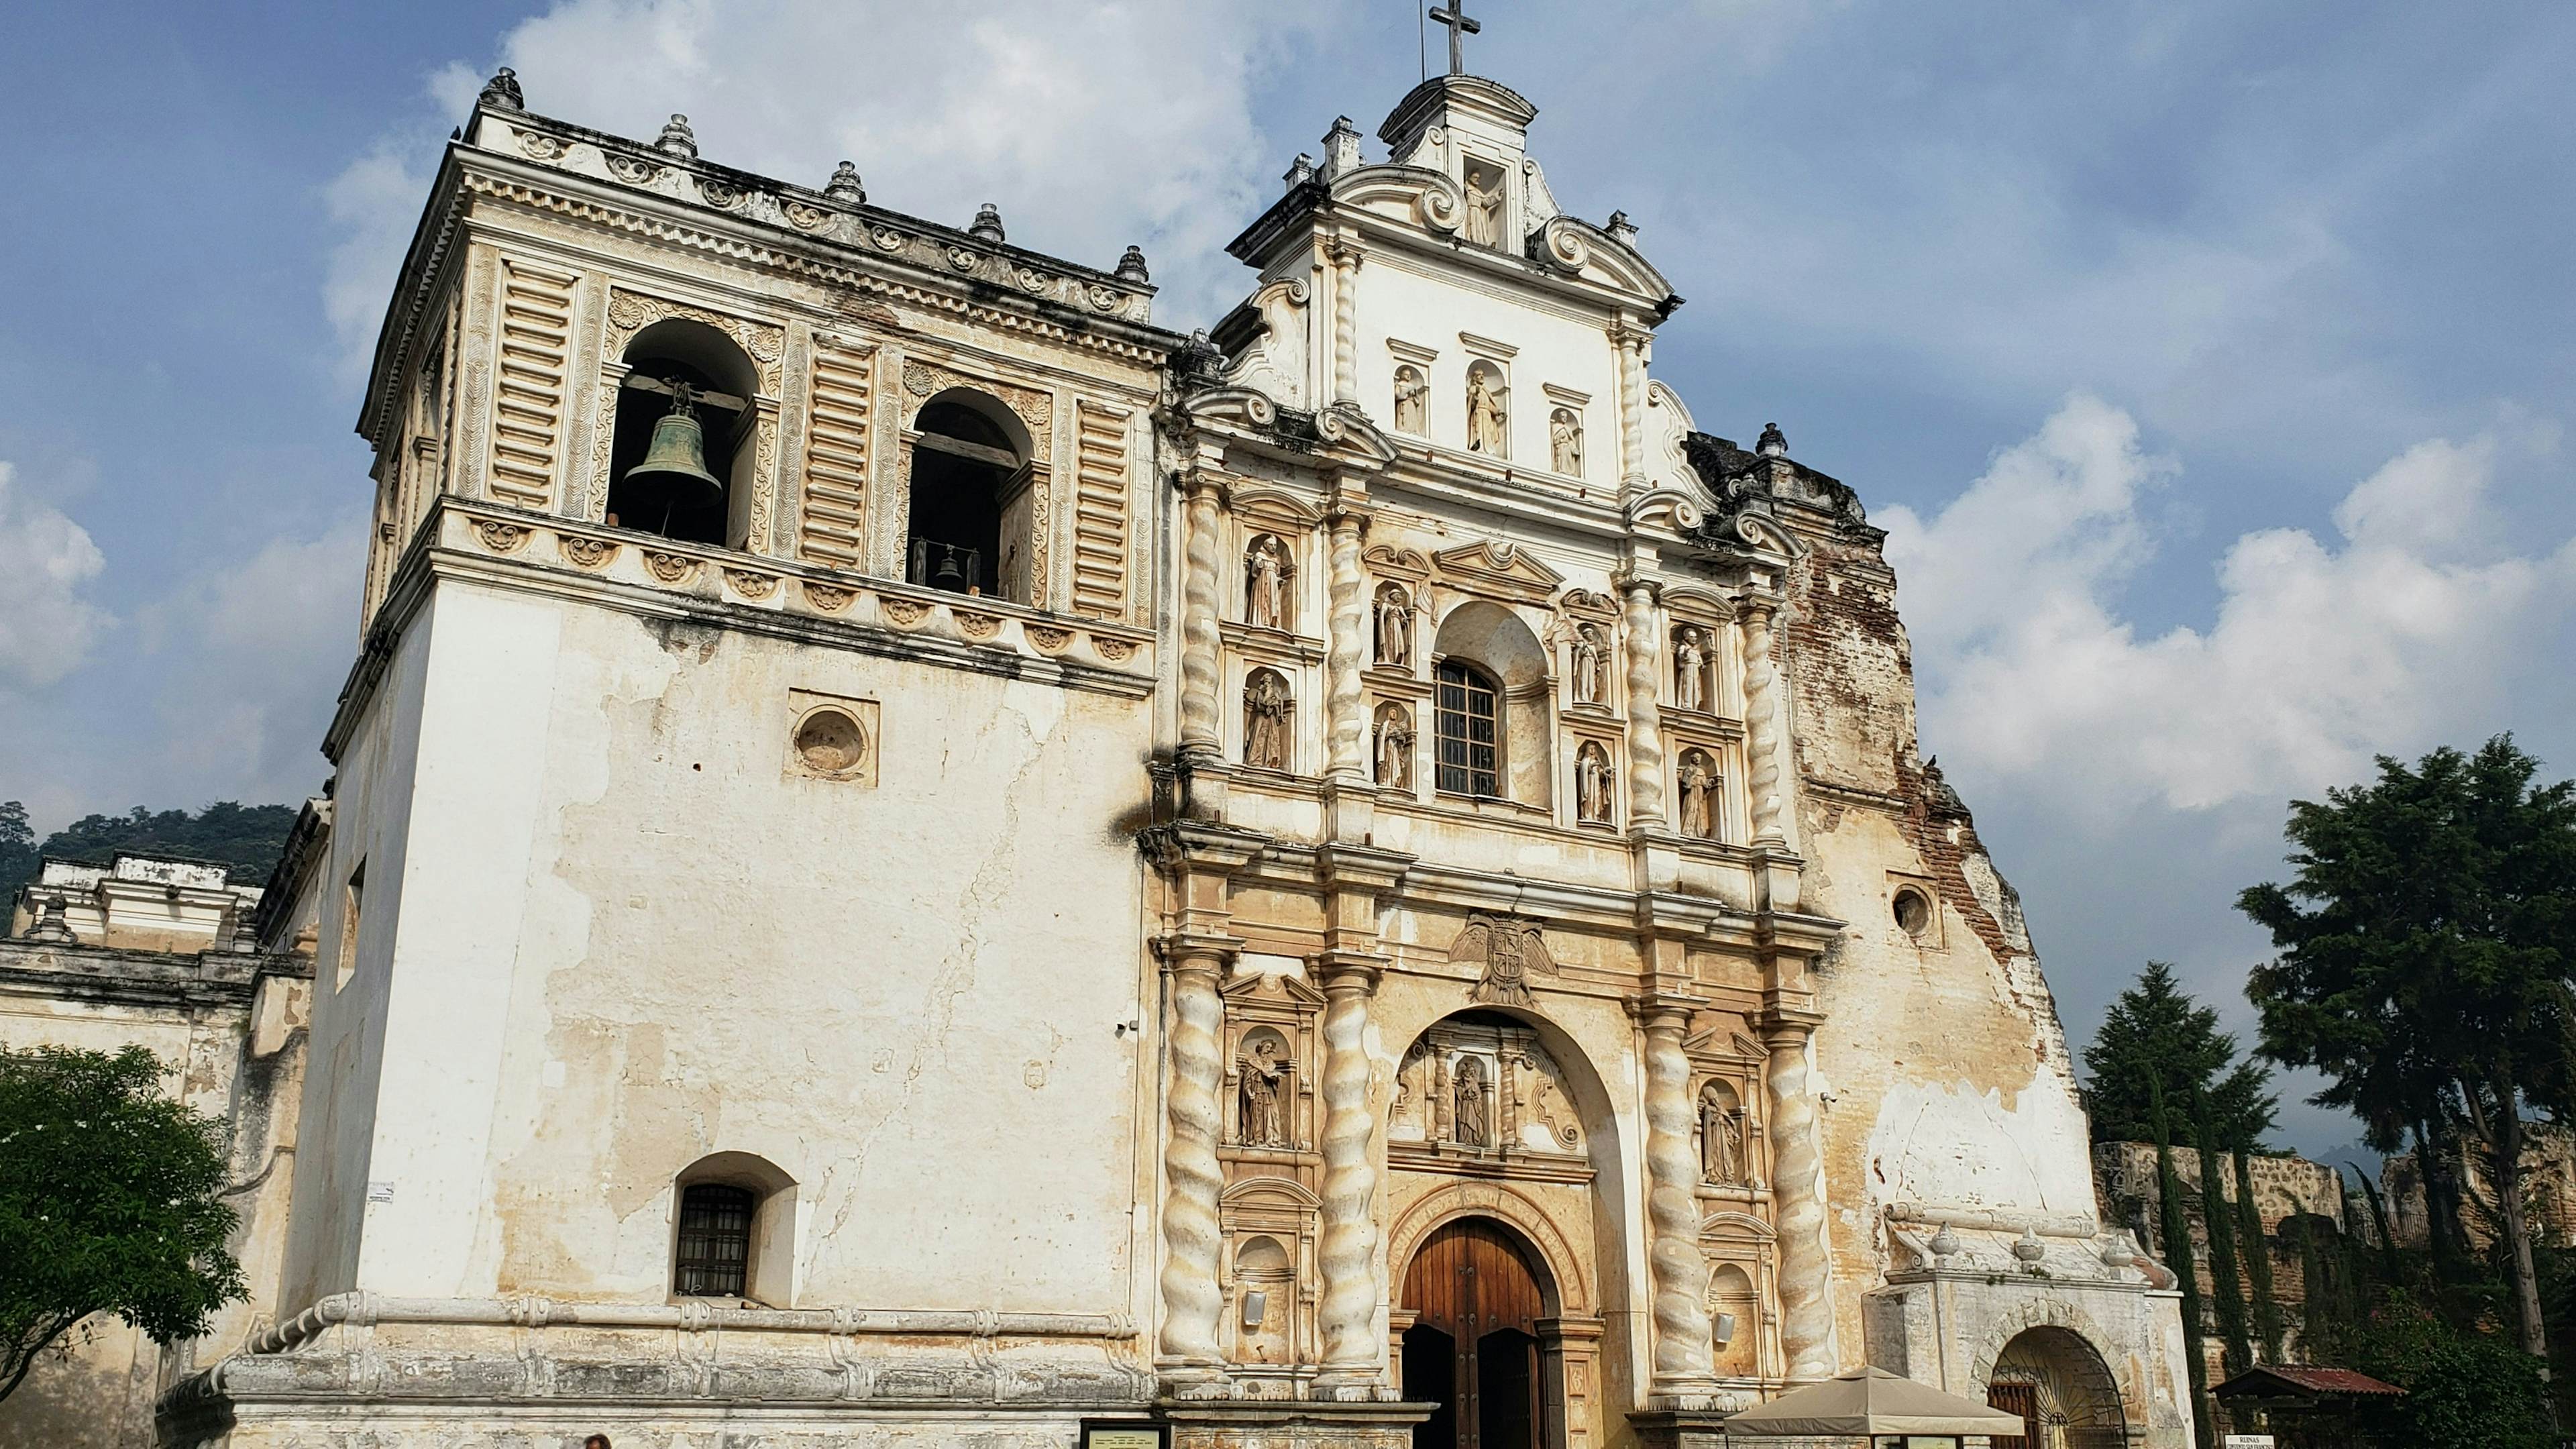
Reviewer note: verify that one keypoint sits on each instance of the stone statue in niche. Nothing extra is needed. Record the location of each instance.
(1484, 208)
(1485, 415)
(1690, 671)
(1592, 784)
(1412, 401)
(1394, 748)
(1469, 1126)
(1394, 625)
(1265, 721)
(1591, 658)
(1565, 442)
(1265, 584)
(1699, 796)
(1261, 1080)
(1721, 1136)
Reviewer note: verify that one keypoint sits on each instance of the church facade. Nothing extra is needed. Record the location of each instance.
(916, 858)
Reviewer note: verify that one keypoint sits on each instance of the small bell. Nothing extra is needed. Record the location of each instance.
(950, 576)
(675, 466)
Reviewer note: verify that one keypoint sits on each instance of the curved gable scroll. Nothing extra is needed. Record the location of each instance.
(1567, 244)
(1416, 194)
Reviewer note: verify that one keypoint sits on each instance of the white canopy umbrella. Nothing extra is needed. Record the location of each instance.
(1870, 1401)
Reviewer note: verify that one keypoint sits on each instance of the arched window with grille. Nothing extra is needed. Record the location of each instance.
(735, 1231)
(715, 1241)
(1470, 735)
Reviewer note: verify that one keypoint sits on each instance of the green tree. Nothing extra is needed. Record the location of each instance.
(248, 838)
(18, 853)
(2427, 944)
(109, 1203)
(2176, 1234)
(2462, 1388)
(2157, 1038)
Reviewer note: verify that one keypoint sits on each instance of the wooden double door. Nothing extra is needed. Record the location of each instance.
(1473, 1348)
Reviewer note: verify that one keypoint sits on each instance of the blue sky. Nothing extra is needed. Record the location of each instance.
(2209, 362)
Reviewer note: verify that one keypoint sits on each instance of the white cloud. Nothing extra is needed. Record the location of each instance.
(2322, 652)
(1091, 127)
(375, 201)
(250, 658)
(46, 561)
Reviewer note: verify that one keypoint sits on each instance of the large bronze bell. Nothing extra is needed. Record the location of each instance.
(677, 460)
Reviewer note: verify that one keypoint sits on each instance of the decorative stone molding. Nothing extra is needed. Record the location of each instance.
(1472, 1197)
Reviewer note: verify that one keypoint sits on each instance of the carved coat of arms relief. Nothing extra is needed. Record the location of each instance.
(1508, 950)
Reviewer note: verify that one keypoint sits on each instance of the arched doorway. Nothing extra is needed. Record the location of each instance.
(2063, 1391)
(1476, 1292)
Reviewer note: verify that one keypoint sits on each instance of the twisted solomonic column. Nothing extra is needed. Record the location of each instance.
(1348, 1250)
(1645, 717)
(1631, 340)
(1345, 257)
(1191, 1176)
(1762, 722)
(1345, 712)
(1677, 1265)
(1201, 734)
(1798, 1187)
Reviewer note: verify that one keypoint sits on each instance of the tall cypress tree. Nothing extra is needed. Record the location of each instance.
(2226, 1288)
(2176, 1232)
(2258, 1256)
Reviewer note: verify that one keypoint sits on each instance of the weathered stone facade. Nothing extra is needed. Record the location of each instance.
(1353, 869)
(158, 953)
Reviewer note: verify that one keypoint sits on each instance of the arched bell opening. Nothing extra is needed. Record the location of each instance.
(679, 451)
(971, 507)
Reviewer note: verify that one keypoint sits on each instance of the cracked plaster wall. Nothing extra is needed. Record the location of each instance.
(916, 980)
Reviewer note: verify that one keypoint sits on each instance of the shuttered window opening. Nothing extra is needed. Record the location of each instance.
(715, 1242)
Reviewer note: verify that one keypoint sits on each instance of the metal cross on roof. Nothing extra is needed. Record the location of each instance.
(1454, 15)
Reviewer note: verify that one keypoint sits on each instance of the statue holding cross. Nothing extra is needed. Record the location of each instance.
(1454, 15)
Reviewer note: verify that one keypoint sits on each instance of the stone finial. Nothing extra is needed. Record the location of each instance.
(988, 223)
(2028, 1247)
(1300, 171)
(1131, 266)
(1945, 1243)
(844, 185)
(1621, 229)
(1772, 443)
(501, 92)
(1341, 147)
(52, 926)
(677, 139)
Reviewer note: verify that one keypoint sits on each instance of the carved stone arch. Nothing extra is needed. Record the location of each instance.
(1570, 1291)
(1701, 604)
(2048, 1313)
(984, 403)
(1273, 508)
(1281, 1189)
(1727, 1221)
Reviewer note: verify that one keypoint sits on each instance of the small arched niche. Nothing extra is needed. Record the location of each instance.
(1735, 1312)
(1265, 1301)
(968, 528)
(734, 1230)
(684, 367)
(1490, 700)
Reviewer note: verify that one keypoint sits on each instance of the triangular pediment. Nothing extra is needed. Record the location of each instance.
(1499, 567)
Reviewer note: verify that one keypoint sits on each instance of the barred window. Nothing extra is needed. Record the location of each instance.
(715, 1242)
(1470, 759)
